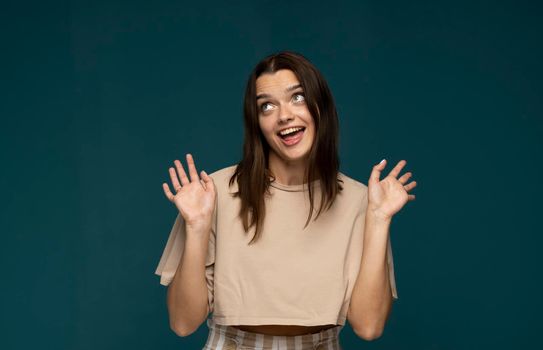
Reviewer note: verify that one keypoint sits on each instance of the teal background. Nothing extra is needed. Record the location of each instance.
(99, 98)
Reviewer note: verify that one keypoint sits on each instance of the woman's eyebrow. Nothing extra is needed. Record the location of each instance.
(290, 88)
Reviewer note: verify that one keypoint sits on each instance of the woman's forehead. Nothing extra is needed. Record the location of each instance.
(277, 82)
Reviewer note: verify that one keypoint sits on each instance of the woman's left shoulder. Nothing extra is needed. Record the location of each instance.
(351, 184)
(354, 192)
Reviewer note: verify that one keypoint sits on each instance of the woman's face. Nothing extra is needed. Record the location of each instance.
(282, 106)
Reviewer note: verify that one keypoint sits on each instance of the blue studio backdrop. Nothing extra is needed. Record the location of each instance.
(99, 97)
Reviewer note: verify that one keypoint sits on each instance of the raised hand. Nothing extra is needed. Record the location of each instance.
(386, 197)
(194, 198)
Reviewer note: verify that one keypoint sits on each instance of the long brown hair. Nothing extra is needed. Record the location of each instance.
(252, 172)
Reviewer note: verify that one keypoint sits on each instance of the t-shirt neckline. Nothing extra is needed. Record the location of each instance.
(294, 188)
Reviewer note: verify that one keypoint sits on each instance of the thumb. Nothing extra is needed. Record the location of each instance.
(376, 172)
(208, 180)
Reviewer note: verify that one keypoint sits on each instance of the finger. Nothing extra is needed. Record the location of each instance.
(376, 171)
(207, 180)
(192, 168)
(410, 185)
(167, 192)
(175, 181)
(396, 170)
(182, 175)
(411, 197)
(403, 179)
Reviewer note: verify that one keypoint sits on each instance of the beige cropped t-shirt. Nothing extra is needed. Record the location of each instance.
(290, 275)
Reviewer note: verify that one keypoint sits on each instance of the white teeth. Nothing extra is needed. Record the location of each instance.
(289, 130)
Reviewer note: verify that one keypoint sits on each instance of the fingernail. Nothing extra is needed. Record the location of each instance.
(382, 161)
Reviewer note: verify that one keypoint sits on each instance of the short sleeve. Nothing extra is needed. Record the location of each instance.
(173, 252)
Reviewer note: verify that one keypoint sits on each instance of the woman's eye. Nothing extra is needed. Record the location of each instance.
(301, 95)
(298, 98)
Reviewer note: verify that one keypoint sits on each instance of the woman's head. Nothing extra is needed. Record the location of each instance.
(282, 108)
(316, 110)
(273, 101)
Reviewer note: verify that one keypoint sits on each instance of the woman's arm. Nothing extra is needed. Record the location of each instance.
(187, 293)
(371, 299)
(372, 296)
(196, 199)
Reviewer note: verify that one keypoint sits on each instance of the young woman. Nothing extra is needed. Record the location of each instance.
(282, 248)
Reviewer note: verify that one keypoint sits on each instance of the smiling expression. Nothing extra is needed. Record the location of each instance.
(282, 105)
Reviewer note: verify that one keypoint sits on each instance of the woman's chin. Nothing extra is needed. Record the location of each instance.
(294, 157)
(299, 153)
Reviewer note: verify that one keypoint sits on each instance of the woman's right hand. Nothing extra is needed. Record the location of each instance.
(195, 199)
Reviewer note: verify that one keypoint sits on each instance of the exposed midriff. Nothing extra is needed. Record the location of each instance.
(287, 330)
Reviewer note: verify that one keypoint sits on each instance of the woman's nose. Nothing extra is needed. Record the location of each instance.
(285, 116)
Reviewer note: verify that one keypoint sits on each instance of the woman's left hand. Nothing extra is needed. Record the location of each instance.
(386, 197)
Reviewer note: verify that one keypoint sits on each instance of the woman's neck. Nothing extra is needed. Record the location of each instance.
(285, 172)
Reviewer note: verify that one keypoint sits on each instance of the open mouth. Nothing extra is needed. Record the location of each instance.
(293, 137)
